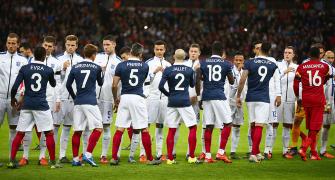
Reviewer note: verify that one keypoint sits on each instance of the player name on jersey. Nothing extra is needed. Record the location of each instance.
(312, 66)
(135, 64)
(36, 68)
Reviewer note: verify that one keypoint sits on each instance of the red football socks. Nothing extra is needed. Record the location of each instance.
(146, 141)
(92, 141)
(130, 132)
(208, 140)
(50, 142)
(76, 143)
(192, 140)
(224, 136)
(170, 142)
(16, 144)
(116, 143)
(256, 139)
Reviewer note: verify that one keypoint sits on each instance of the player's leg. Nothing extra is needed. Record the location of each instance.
(237, 117)
(287, 119)
(209, 120)
(173, 119)
(315, 126)
(153, 110)
(223, 114)
(85, 138)
(298, 118)
(135, 140)
(107, 116)
(64, 137)
(268, 141)
(159, 129)
(203, 149)
(327, 120)
(308, 141)
(13, 118)
(26, 145)
(25, 124)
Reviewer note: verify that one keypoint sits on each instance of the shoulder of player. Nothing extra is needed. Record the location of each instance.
(60, 56)
(149, 60)
(118, 58)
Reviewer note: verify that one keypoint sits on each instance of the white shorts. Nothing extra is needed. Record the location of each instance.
(86, 115)
(65, 116)
(106, 109)
(216, 112)
(176, 115)
(285, 112)
(157, 110)
(132, 110)
(28, 118)
(272, 112)
(237, 115)
(328, 119)
(258, 112)
(12, 115)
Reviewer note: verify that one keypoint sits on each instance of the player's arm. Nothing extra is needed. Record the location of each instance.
(240, 87)
(192, 80)
(198, 78)
(52, 80)
(276, 78)
(69, 82)
(115, 85)
(162, 83)
(100, 77)
(15, 87)
(296, 82)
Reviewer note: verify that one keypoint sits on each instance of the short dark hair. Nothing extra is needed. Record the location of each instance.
(14, 35)
(39, 53)
(26, 46)
(195, 45)
(90, 50)
(136, 50)
(217, 48)
(238, 53)
(314, 52)
(318, 45)
(290, 47)
(125, 49)
(265, 48)
(160, 42)
(109, 37)
(50, 39)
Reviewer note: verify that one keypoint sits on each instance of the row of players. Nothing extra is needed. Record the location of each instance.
(157, 102)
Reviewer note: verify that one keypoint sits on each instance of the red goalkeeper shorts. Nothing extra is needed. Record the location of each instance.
(314, 117)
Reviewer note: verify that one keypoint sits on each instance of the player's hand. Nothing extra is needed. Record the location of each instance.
(103, 68)
(116, 104)
(238, 102)
(13, 103)
(299, 105)
(193, 100)
(159, 68)
(200, 105)
(196, 66)
(289, 69)
(327, 109)
(278, 101)
(57, 107)
(66, 64)
(19, 103)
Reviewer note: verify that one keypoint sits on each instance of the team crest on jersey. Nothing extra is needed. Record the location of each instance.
(18, 64)
(52, 66)
(112, 66)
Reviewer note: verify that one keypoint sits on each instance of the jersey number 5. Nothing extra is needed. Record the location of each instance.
(134, 77)
(314, 80)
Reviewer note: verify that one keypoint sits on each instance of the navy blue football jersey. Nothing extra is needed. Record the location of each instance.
(260, 71)
(179, 79)
(35, 77)
(132, 74)
(85, 74)
(214, 71)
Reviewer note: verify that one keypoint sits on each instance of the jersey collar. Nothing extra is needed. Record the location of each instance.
(134, 59)
(216, 56)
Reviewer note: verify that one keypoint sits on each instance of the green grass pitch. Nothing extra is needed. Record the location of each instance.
(277, 168)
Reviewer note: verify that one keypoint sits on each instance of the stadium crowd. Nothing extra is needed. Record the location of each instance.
(178, 27)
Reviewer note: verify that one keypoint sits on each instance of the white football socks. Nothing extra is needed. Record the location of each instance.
(274, 135)
(324, 139)
(56, 128)
(64, 138)
(159, 141)
(249, 138)
(134, 143)
(106, 138)
(26, 144)
(235, 138)
(286, 139)
(268, 138)
(86, 136)
(203, 148)
(43, 146)
(12, 134)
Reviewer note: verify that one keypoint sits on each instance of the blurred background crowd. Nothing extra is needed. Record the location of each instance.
(237, 23)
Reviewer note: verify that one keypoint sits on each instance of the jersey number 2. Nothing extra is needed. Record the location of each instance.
(181, 79)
